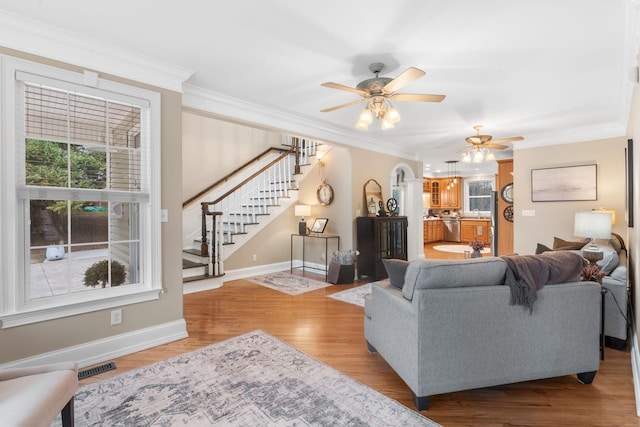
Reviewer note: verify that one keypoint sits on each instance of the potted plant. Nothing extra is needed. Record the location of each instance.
(477, 246)
(98, 274)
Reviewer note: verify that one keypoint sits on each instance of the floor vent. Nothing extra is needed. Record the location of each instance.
(96, 370)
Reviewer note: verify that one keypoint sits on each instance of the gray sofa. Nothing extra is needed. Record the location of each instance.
(614, 264)
(448, 325)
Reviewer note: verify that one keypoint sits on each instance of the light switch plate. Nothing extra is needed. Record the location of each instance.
(528, 212)
(164, 215)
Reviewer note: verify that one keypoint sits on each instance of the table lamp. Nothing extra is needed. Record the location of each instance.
(302, 211)
(593, 225)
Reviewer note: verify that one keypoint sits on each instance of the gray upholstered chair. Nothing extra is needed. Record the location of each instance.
(33, 396)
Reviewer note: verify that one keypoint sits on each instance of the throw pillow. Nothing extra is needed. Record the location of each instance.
(396, 269)
(610, 259)
(542, 249)
(566, 245)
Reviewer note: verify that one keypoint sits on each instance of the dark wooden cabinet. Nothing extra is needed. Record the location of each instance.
(380, 238)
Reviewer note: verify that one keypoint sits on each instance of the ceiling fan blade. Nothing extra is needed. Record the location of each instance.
(349, 104)
(416, 97)
(495, 146)
(514, 138)
(403, 79)
(345, 88)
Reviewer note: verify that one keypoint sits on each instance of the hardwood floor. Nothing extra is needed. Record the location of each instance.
(332, 332)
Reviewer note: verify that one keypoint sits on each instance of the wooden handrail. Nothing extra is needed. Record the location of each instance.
(229, 175)
(253, 175)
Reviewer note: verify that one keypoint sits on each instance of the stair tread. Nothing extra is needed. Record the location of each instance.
(191, 264)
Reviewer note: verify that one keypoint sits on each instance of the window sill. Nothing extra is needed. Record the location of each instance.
(51, 313)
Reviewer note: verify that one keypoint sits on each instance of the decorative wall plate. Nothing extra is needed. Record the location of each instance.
(392, 205)
(507, 193)
(508, 213)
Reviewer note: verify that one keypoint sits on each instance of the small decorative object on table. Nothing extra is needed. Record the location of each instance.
(592, 273)
(477, 246)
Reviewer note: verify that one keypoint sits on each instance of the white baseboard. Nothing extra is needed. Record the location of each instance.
(109, 348)
(229, 275)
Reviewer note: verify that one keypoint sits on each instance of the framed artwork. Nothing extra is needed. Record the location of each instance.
(570, 183)
(319, 224)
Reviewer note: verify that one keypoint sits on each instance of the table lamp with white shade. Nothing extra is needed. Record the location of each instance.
(593, 225)
(302, 211)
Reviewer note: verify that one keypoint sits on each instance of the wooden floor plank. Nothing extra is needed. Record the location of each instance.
(332, 331)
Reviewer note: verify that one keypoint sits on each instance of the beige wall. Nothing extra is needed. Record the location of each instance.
(556, 218)
(29, 340)
(202, 138)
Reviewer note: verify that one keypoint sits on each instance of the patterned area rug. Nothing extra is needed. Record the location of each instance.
(250, 380)
(459, 249)
(354, 295)
(288, 283)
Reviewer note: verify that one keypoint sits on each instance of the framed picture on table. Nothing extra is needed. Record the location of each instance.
(319, 225)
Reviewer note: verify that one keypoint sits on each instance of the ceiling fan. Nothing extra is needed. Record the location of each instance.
(378, 91)
(481, 146)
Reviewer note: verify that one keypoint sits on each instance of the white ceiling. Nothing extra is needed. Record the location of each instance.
(553, 71)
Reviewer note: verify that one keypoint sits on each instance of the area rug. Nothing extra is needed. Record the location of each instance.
(288, 283)
(250, 380)
(459, 249)
(354, 295)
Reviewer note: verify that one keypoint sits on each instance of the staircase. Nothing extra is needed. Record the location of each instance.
(219, 220)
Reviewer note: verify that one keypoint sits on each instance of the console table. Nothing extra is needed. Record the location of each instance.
(305, 237)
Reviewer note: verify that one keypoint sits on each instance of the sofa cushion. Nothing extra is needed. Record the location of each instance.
(429, 274)
(396, 269)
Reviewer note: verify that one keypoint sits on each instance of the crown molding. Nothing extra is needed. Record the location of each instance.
(30, 36)
(236, 109)
(569, 136)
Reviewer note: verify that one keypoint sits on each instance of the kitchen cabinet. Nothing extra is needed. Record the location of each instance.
(426, 185)
(450, 198)
(435, 193)
(441, 197)
(433, 231)
(475, 228)
(380, 238)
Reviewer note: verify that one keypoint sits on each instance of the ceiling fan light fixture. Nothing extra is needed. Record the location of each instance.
(490, 155)
(392, 115)
(386, 124)
(366, 117)
(362, 125)
(466, 157)
(477, 158)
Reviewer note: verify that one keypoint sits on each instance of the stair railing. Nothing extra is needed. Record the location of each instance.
(254, 196)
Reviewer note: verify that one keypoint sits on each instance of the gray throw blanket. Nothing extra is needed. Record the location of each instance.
(527, 274)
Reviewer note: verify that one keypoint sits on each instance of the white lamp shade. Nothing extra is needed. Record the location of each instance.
(302, 210)
(594, 225)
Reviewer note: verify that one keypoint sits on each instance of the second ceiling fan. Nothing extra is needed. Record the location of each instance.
(378, 91)
(481, 146)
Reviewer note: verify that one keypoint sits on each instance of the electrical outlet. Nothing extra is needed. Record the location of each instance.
(116, 317)
(254, 258)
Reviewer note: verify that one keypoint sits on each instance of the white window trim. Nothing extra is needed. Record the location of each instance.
(12, 311)
(466, 181)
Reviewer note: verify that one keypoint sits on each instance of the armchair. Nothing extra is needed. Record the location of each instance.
(33, 396)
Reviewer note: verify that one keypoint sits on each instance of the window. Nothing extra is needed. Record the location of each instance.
(85, 236)
(477, 192)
